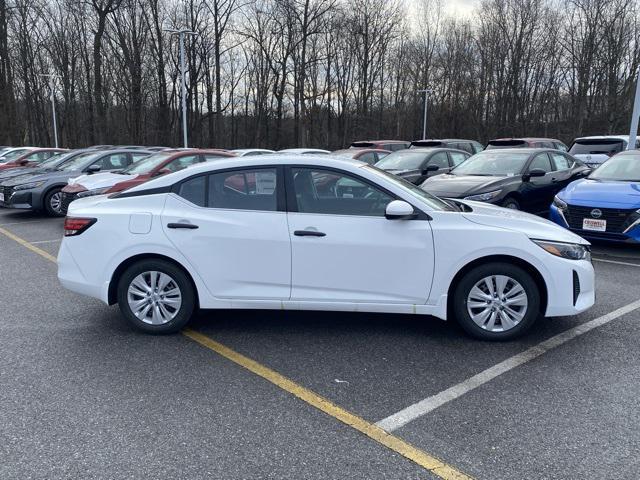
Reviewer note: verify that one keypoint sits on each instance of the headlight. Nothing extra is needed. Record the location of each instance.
(28, 186)
(484, 197)
(560, 204)
(572, 251)
(95, 191)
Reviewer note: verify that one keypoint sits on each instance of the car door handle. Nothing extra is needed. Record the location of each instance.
(189, 226)
(309, 233)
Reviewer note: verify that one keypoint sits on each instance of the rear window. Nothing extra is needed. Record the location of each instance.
(427, 143)
(597, 146)
(493, 144)
(362, 145)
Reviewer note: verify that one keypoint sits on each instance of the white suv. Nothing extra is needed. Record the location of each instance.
(594, 151)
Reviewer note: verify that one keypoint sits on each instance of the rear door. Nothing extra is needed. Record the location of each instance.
(538, 192)
(563, 172)
(439, 159)
(232, 227)
(343, 249)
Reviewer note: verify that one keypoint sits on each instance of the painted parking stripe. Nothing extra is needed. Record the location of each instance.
(434, 465)
(616, 262)
(26, 244)
(429, 462)
(46, 241)
(429, 404)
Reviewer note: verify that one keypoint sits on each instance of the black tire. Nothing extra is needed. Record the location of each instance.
(511, 203)
(477, 274)
(52, 208)
(178, 276)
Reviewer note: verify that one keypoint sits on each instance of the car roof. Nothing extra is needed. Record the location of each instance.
(321, 160)
(529, 150)
(604, 137)
(430, 150)
(300, 150)
(526, 139)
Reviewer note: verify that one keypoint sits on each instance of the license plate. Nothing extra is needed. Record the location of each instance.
(594, 225)
(1, 197)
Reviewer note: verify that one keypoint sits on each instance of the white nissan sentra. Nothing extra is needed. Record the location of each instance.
(318, 233)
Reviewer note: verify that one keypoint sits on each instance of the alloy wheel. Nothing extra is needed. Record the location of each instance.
(497, 303)
(154, 297)
(55, 202)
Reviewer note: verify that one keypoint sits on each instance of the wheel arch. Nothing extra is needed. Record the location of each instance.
(47, 190)
(122, 267)
(526, 266)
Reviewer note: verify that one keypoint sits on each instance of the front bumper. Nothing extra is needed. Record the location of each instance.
(631, 236)
(16, 198)
(574, 290)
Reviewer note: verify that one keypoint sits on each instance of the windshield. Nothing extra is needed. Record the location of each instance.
(493, 163)
(402, 161)
(625, 167)
(413, 190)
(597, 146)
(12, 155)
(79, 162)
(147, 164)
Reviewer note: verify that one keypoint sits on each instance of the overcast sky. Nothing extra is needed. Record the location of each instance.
(461, 7)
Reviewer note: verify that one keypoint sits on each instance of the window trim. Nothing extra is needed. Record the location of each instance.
(292, 203)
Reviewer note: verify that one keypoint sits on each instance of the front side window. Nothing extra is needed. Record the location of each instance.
(329, 192)
(562, 162)
(439, 159)
(115, 161)
(541, 162)
(457, 158)
(254, 189)
(369, 157)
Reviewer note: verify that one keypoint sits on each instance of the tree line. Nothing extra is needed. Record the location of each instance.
(322, 73)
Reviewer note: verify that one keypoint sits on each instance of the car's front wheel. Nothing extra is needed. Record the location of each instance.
(511, 203)
(156, 296)
(496, 301)
(53, 202)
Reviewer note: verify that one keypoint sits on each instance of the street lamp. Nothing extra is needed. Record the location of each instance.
(426, 92)
(52, 77)
(181, 33)
(633, 132)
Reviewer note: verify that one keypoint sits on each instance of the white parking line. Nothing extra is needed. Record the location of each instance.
(616, 262)
(429, 404)
(20, 223)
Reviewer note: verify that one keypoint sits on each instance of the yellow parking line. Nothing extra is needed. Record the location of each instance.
(429, 462)
(26, 244)
(421, 458)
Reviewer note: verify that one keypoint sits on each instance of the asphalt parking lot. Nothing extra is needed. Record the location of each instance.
(84, 396)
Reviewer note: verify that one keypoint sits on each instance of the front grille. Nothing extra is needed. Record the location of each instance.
(67, 198)
(617, 218)
(576, 287)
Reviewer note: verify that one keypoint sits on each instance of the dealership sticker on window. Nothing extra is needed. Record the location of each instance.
(265, 183)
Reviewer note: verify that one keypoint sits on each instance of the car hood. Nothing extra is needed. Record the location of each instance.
(53, 176)
(456, 186)
(99, 180)
(603, 193)
(531, 225)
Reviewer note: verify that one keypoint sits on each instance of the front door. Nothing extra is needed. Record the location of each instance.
(538, 191)
(229, 227)
(343, 247)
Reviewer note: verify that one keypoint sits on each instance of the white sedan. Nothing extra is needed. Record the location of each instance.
(318, 233)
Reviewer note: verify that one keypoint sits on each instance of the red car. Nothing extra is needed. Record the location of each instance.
(391, 145)
(367, 155)
(32, 158)
(527, 142)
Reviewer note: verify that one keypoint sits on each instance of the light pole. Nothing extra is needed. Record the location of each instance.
(426, 92)
(633, 133)
(51, 77)
(181, 33)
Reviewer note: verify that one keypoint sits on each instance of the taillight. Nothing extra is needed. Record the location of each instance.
(75, 226)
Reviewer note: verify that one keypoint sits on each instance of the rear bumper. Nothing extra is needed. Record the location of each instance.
(71, 277)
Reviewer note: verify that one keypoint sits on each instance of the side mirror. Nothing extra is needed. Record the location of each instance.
(430, 168)
(23, 162)
(536, 172)
(93, 168)
(162, 171)
(399, 210)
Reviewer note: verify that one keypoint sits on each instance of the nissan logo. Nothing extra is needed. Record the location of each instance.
(596, 213)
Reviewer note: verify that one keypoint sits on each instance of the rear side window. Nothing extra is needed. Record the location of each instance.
(244, 190)
(182, 163)
(114, 162)
(369, 157)
(194, 190)
(477, 147)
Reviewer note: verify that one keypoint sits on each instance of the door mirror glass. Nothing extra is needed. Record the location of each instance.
(399, 210)
(162, 171)
(93, 168)
(430, 168)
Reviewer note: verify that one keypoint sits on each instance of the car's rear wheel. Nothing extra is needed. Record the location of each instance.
(496, 301)
(53, 202)
(511, 203)
(156, 296)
